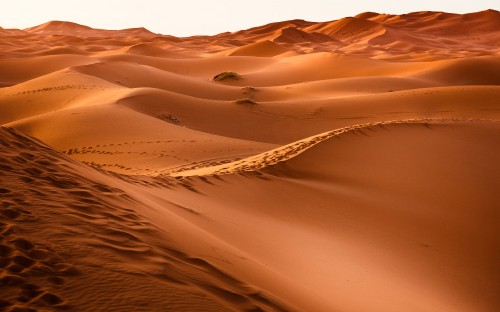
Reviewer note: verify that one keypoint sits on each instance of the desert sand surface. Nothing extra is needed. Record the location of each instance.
(350, 165)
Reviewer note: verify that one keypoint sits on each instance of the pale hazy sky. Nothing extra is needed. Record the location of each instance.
(194, 17)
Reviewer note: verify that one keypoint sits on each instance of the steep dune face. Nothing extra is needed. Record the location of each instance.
(348, 165)
(392, 226)
(428, 180)
(348, 29)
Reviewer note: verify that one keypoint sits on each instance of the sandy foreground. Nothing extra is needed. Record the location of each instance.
(343, 166)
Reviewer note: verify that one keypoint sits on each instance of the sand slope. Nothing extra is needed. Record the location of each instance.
(71, 229)
(392, 226)
(348, 165)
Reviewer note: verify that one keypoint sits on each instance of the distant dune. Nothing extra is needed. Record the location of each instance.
(73, 29)
(349, 165)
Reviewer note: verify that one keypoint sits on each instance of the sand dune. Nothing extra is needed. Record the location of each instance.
(73, 29)
(295, 35)
(20, 70)
(471, 71)
(349, 29)
(351, 224)
(49, 263)
(348, 165)
(261, 48)
(60, 28)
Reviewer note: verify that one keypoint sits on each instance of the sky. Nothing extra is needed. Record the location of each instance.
(204, 17)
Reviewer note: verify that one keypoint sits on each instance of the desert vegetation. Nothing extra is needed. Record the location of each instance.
(227, 76)
(245, 101)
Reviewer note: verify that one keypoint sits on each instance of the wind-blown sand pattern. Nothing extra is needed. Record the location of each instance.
(342, 166)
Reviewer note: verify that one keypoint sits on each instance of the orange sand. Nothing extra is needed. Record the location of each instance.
(353, 166)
